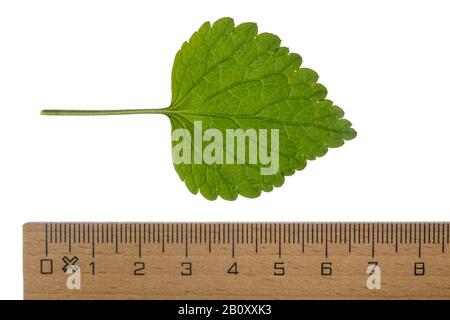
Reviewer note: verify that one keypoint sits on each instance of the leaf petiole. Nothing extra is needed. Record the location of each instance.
(60, 112)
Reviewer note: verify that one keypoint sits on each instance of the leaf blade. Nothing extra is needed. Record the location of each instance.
(234, 78)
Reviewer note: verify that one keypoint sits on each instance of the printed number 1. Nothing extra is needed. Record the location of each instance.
(92, 264)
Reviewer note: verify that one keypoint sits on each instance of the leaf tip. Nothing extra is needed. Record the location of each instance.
(350, 134)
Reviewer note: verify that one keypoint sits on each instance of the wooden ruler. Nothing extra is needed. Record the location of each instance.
(236, 261)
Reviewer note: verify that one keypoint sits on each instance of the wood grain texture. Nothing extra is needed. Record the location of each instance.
(304, 253)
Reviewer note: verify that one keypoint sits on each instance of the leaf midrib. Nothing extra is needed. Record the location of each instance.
(168, 112)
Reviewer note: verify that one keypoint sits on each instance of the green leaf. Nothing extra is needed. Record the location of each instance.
(231, 77)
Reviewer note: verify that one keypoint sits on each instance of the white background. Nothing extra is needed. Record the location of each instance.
(386, 63)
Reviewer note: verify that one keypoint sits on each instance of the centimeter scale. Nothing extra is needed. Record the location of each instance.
(236, 261)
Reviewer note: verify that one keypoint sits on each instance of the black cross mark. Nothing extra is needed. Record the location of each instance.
(69, 262)
(373, 265)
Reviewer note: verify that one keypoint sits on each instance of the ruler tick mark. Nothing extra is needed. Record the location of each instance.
(93, 239)
(448, 233)
(46, 240)
(232, 241)
(218, 233)
(396, 237)
(345, 233)
(256, 238)
(209, 238)
(265, 233)
(420, 240)
(279, 240)
(70, 237)
(117, 238)
(181, 233)
(140, 244)
(162, 248)
(349, 238)
(303, 238)
(321, 233)
(434, 233)
(195, 232)
(246, 233)
(153, 232)
(373, 240)
(186, 247)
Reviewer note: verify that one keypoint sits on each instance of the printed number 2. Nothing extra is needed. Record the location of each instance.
(139, 270)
